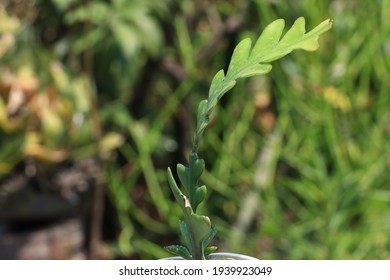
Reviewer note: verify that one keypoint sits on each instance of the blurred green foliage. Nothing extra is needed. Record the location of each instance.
(297, 162)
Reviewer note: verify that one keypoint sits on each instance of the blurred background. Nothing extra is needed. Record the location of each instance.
(99, 97)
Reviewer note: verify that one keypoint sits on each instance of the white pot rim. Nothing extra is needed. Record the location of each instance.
(220, 256)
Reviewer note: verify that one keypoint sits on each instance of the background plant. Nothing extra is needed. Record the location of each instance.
(302, 154)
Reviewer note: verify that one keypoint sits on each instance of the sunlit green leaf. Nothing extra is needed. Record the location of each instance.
(215, 88)
(239, 57)
(267, 40)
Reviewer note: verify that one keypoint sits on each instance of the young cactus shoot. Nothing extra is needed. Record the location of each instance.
(246, 61)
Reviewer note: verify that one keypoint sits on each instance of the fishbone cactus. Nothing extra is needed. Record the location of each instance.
(245, 62)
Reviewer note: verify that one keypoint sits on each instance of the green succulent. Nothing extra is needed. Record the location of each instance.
(246, 61)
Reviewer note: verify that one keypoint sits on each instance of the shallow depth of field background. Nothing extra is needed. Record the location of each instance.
(99, 97)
